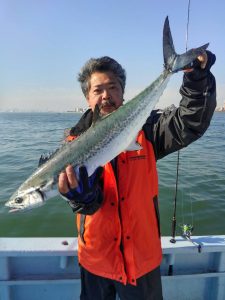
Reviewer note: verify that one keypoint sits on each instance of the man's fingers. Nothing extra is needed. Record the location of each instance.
(67, 180)
(203, 58)
(71, 177)
(188, 70)
(63, 183)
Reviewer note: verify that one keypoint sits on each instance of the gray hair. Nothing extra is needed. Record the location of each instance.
(102, 64)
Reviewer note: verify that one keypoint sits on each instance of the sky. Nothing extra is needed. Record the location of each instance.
(44, 44)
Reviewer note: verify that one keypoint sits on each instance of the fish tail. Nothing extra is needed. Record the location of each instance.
(174, 62)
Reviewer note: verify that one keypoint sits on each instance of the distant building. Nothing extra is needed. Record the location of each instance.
(221, 108)
(78, 110)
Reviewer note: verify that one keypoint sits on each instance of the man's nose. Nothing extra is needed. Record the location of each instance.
(106, 94)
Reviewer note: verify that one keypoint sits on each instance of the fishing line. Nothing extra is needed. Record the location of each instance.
(186, 49)
(187, 228)
(173, 240)
(187, 26)
(191, 196)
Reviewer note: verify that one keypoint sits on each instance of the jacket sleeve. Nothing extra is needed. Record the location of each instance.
(174, 129)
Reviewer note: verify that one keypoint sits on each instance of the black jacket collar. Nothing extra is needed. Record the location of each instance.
(83, 124)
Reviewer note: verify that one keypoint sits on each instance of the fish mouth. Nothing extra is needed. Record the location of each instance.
(13, 206)
(13, 210)
(26, 201)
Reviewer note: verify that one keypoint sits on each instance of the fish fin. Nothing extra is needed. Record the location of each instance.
(172, 61)
(96, 114)
(46, 156)
(134, 146)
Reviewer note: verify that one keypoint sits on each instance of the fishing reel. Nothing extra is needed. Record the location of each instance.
(186, 230)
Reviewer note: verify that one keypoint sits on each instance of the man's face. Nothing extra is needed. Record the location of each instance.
(106, 91)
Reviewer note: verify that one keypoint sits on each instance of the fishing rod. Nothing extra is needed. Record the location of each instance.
(187, 229)
(174, 221)
(186, 232)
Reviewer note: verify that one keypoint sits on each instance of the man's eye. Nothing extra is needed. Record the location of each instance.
(97, 91)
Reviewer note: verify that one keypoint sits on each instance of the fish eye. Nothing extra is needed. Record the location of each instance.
(19, 200)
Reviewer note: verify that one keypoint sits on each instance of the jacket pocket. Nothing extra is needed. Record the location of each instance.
(82, 227)
(156, 205)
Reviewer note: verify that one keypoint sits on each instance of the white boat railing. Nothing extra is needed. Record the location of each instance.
(47, 268)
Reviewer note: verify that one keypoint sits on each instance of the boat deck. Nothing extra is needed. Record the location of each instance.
(47, 268)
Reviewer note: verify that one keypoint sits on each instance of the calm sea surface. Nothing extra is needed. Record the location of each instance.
(201, 192)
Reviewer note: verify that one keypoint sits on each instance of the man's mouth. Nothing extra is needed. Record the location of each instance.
(107, 105)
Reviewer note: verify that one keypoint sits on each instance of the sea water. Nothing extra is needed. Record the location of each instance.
(201, 182)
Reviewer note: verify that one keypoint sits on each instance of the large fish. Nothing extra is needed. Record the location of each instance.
(107, 137)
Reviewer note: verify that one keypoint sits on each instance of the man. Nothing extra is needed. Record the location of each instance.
(117, 207)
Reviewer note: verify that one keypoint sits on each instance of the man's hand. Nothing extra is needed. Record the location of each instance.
(67, 180)
(79, 193)
(201, 62)
(200, 67)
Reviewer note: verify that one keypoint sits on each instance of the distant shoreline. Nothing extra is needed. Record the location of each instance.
(60, 112)
(39, 112)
